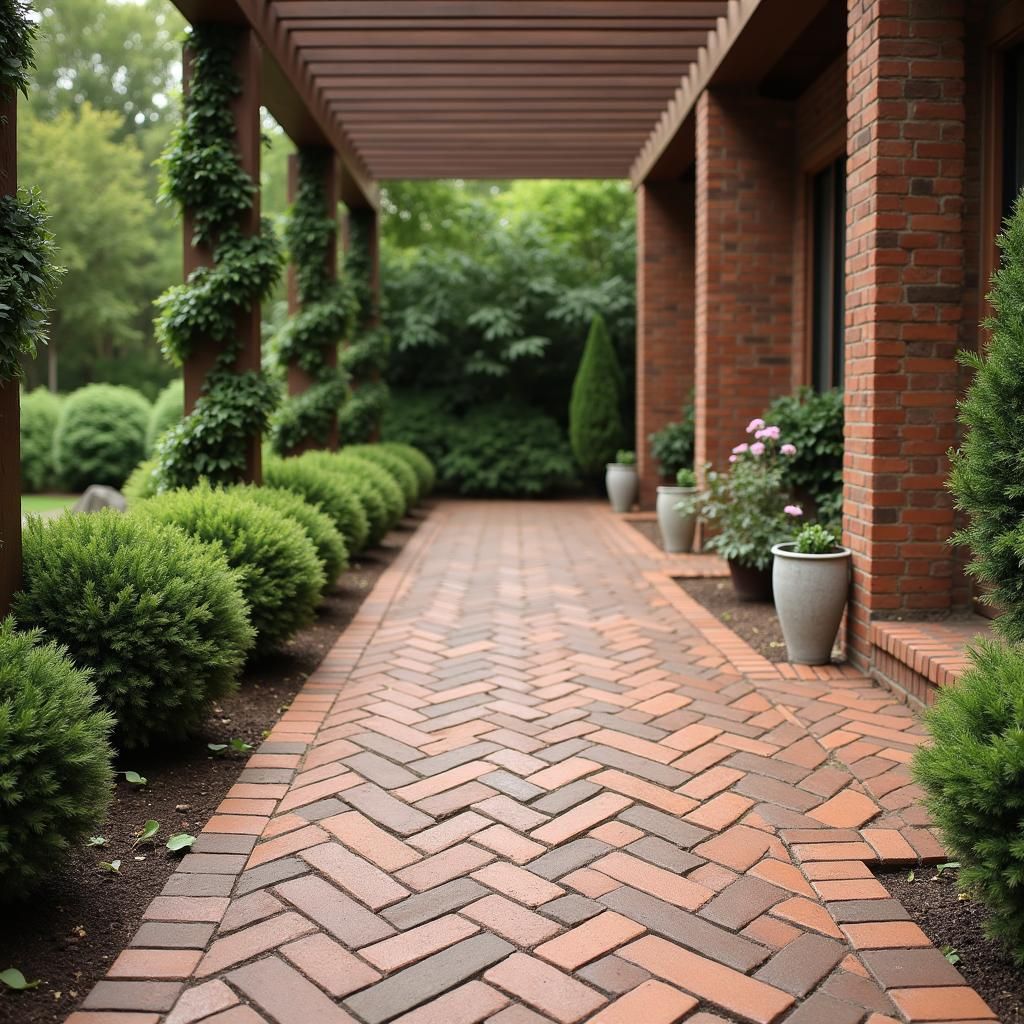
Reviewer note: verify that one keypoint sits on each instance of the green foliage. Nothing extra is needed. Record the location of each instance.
(394, 466)
(143, 482)
(625, 457)
(211, 442)
(421, 465)
(157, 617)
(595, 427)
(973, 778)
(686, 478)
(987, 478)
(101, 435)
(320, 487)
(40, 412)
(360, 416)
(168, 411)
(281, 577)
(507, 450)
(329, 543)
(813, 423)
(424, 420)
(814, 539)
(17, 32)
(28, 278)
(55, 777)
(308, 416)
(673, 445)
(376, 490)
(367, 356)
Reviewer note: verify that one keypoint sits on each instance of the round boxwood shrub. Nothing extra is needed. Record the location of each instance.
(157, 617)
(376, 489)
(391, 463)
(55, 777)
(101, 435)
(320, 487)
(417, 462)
(973, 775)
(168, 411)
(329, 543)
(40, 411)
(280, 573)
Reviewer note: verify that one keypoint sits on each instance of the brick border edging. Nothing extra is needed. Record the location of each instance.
(273, 764)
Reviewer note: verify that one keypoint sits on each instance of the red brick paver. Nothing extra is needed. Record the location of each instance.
(533, 781)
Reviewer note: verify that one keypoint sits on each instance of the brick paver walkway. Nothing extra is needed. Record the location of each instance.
(534, 782)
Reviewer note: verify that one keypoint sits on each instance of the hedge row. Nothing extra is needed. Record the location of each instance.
(134, 624)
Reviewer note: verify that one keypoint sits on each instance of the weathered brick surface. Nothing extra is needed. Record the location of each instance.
(707, 850)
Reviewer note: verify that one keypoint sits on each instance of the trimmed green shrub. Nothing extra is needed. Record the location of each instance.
(423, 420)
(40, 413)
(281, 577)
(508, 450)
(101, 435)
(55, 777)
(157, 617)
(329, 543)
(143, 481)
(377, 491)
(168, 411)
(395, 466)
(595, 422)
(973, 777)
(813, 423)
(417, 461)
(673, 445)
(320, 487)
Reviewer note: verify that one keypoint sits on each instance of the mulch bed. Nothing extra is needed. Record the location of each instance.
(755, 621)
(68, 934)
(649, 528)
(954, 924)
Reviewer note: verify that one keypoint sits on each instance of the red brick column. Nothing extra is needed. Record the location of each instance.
(744, 264)
(904, 269)
(664, 316)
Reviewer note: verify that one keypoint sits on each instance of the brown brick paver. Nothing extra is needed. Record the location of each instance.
(534, 781)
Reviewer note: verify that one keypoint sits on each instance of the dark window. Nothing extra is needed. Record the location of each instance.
(828, 219)
(1013, 129)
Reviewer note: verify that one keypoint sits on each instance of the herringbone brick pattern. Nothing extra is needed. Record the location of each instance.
(534, 782)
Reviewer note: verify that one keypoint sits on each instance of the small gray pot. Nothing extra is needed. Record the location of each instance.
(621, 482)
(676, 530)
(810, 595)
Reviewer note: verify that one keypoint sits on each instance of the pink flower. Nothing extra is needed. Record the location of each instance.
(757, 448)
(788, 449)
(740, 449)
(793, 510)
(734, 458)
(755, 425)
(768, 433)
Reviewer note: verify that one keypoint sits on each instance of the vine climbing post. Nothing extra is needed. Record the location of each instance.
(10, 443)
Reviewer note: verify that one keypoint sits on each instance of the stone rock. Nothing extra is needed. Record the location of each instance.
(99, 496)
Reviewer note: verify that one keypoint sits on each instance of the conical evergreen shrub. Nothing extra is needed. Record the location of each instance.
(973, 773)
(595, 424)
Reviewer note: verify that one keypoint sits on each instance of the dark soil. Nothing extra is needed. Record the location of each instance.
(755, 621)
(954, 924)
(649, 528)
(67, 935)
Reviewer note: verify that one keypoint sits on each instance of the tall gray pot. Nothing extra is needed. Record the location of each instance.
(676, 530)
(810, 595)
(621, 482)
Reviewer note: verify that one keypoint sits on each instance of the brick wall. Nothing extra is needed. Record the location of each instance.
(664, 338)
(744, 264)
(905, 274)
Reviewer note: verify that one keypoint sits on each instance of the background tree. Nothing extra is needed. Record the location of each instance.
(595, 429)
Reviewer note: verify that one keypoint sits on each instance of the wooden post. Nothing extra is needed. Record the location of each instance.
(246, 110)
(298, 380)
(10, 412)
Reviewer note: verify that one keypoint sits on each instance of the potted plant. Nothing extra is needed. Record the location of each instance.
(810, 577)
(677, 528)
(746, 509)
(621, 482)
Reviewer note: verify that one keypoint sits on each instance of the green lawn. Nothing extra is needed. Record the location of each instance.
(46, 502)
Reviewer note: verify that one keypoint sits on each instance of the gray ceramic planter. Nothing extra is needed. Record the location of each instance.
(621, 482)
(810, 595)
(676, 530)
